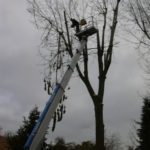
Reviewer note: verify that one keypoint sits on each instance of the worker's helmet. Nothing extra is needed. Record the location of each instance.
(83, 22)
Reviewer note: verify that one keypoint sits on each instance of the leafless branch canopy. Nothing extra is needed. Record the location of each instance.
(139, 28)
(140, 16)
(52, 17)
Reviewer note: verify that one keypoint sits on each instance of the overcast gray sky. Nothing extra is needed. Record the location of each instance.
(21, 86)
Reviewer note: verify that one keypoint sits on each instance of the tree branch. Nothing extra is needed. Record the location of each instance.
(68, 35)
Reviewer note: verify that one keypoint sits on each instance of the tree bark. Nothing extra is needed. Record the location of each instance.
(99, 122)
(99, 127)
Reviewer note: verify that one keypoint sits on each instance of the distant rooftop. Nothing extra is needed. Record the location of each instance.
(3, 144)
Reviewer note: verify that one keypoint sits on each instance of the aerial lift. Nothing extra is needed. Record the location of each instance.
(37, 135)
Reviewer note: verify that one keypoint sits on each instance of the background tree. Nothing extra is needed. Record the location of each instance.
(140, 15)
(53, 18)
(113, 142)
(130, 148)
(138, 20)
(139, 12)
(143, 132)
(17, 140)
(133, 139)
(60, 144)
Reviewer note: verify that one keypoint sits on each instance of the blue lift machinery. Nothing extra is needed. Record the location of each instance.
(37, 135)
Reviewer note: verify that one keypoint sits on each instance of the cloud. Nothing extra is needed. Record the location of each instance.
(19, 73)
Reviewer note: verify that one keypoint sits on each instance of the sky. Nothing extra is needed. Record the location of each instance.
(21, 82)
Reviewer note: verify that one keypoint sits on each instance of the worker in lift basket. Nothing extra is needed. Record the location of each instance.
(75, 24)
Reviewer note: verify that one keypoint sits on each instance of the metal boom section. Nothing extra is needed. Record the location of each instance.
(38, 132)
(36, 137)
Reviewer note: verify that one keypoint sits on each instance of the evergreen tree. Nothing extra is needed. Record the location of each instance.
(17, 140)
(144, 131)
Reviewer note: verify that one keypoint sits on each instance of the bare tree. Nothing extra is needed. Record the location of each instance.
(52, 17)
(139, 12)
(133, 139)
(113, 142)
(139, 28)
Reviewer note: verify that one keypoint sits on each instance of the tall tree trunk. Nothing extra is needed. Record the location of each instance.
(99, 126)
(99, 123)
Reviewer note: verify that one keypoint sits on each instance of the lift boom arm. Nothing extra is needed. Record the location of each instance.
(36, 137)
